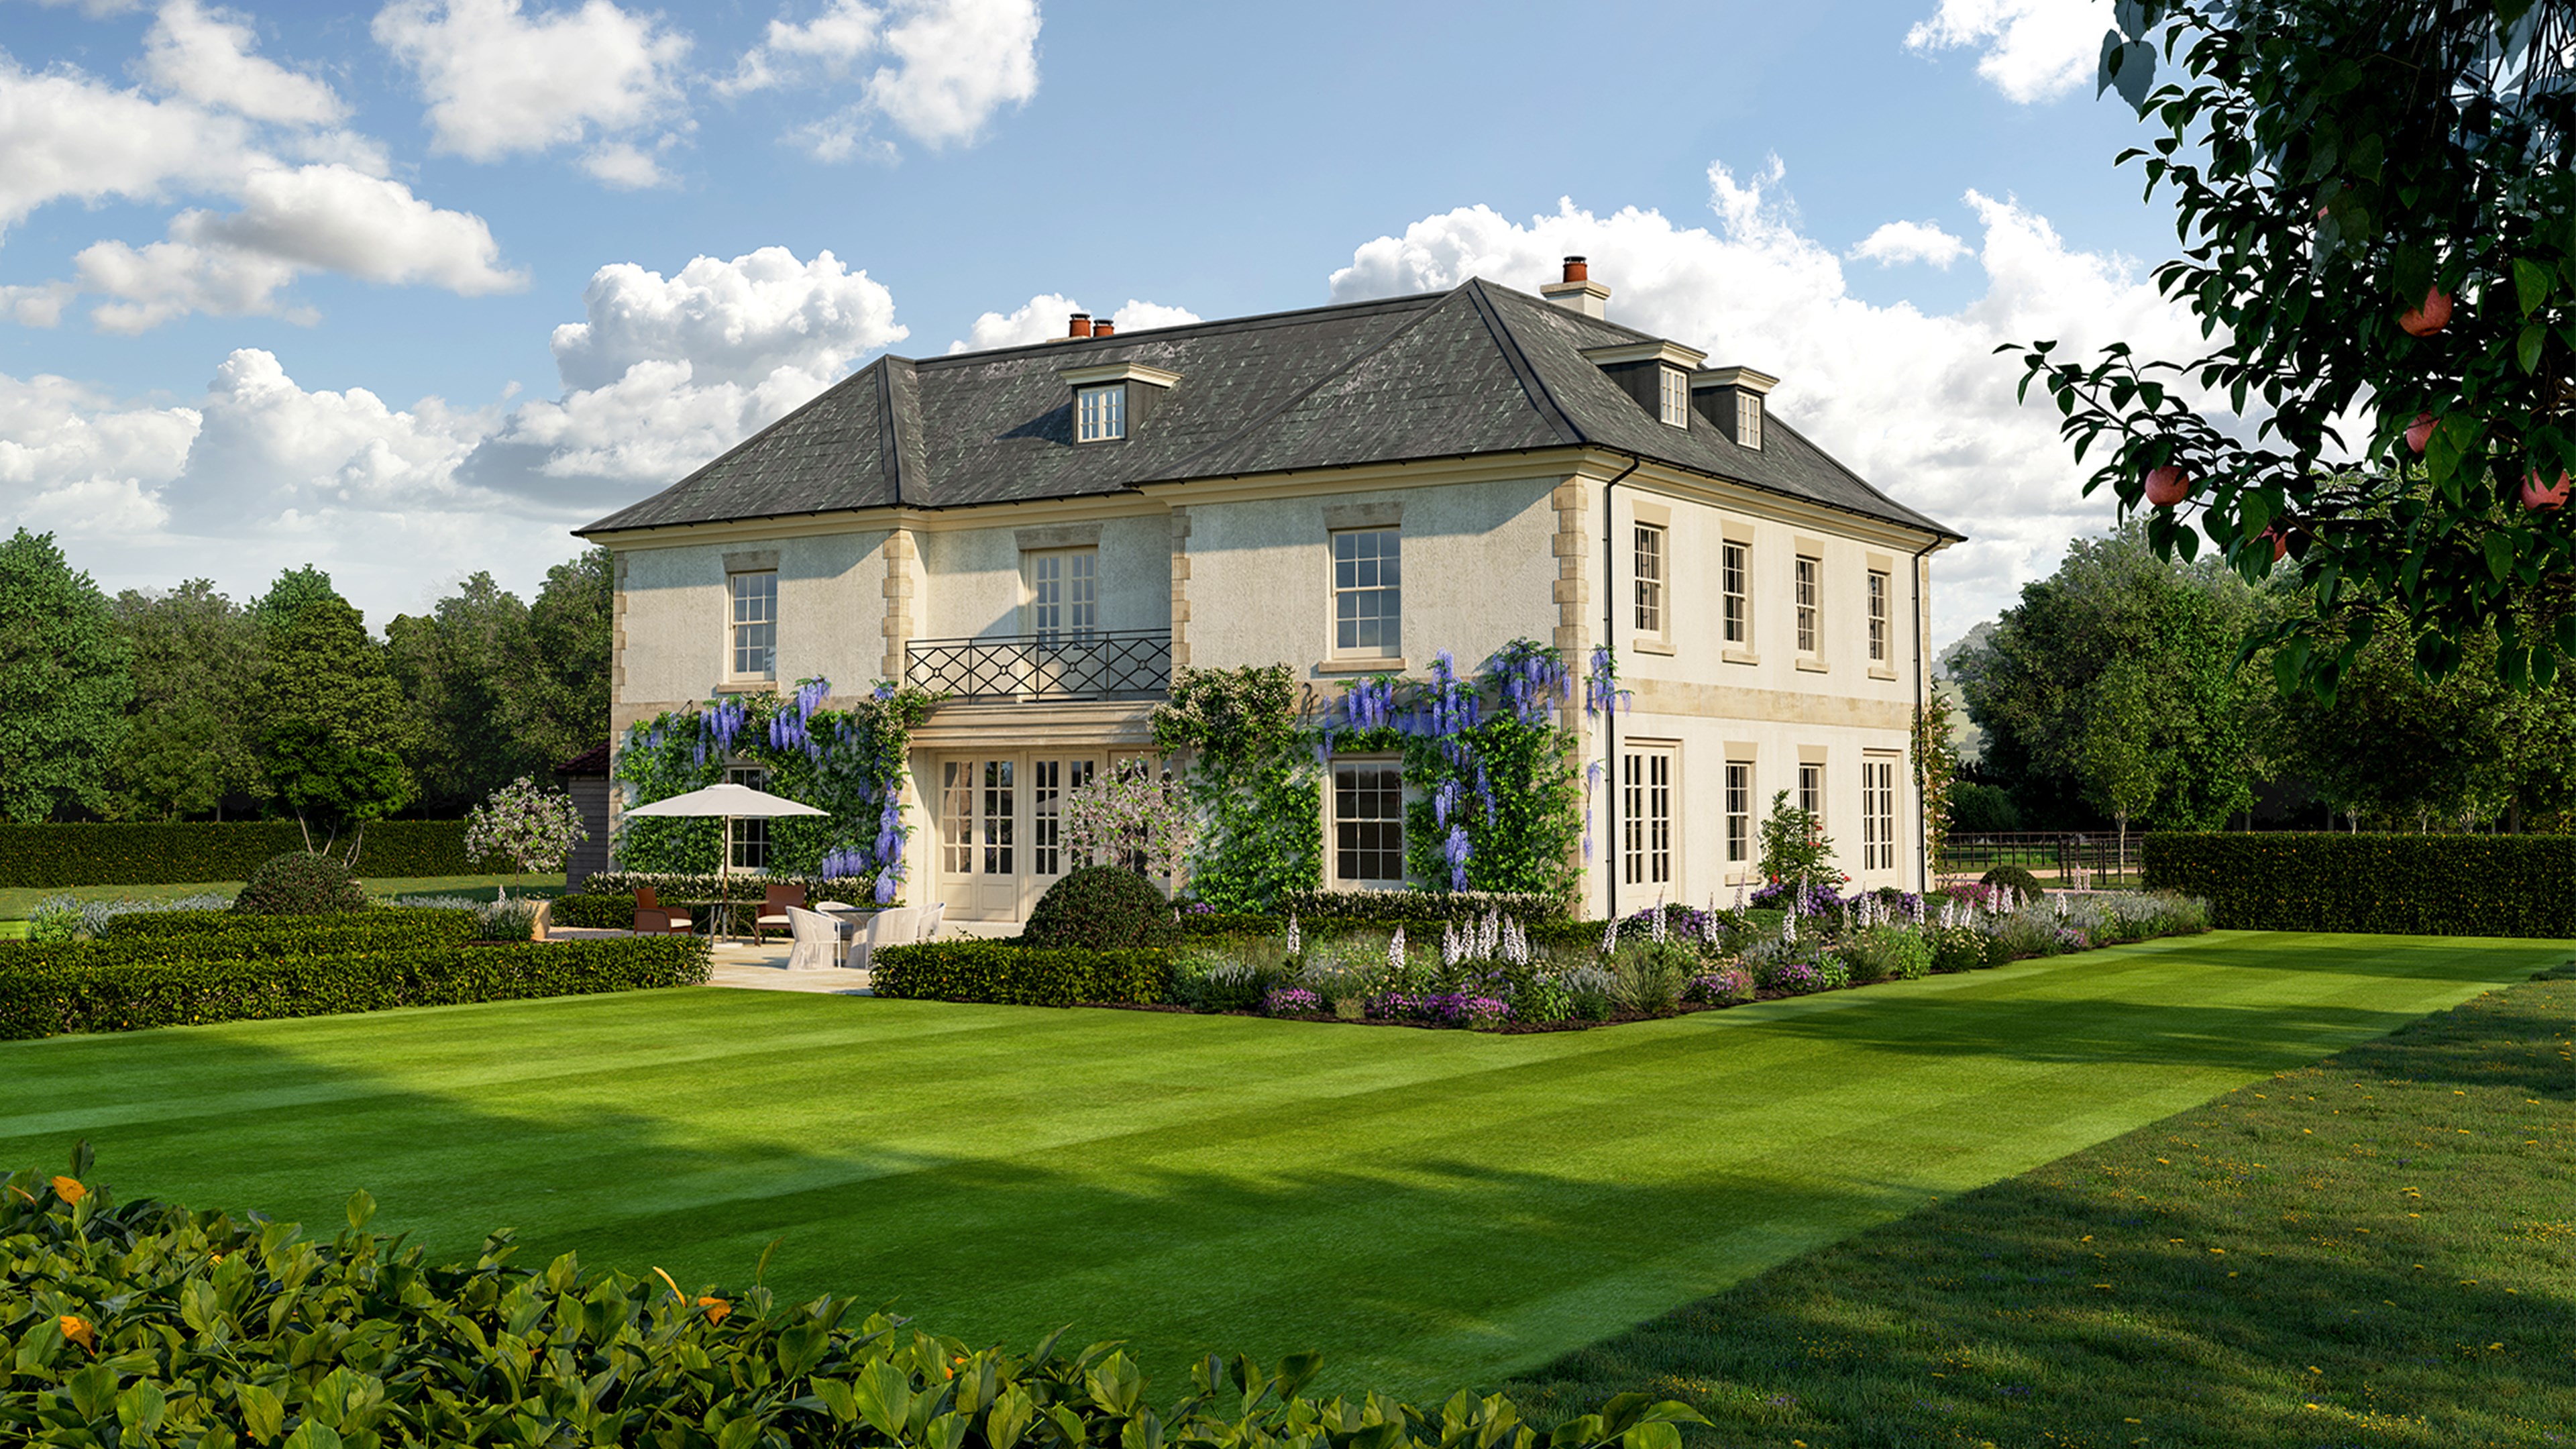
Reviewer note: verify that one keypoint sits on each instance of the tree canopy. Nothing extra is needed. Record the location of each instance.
(332, 725)
(195, 653)
(2378, 231)
(63, 679)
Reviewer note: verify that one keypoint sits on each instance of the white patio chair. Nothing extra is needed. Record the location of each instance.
(893, 927)
(931, 916)
(817, 940)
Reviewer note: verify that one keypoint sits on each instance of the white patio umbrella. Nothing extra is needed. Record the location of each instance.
(732, 803)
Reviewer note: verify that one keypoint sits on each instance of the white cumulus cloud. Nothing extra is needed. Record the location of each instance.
(1917, 403)
(311, 218)
(2031, 50)
(1899, 242)
(500, 82)
(205, 55)
(1045, 316)
(68, 136)
(937, 70)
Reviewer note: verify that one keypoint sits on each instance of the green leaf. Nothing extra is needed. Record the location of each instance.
(2499, 552)
(1296, 1370)
(313, 1434)
(361, 1208)
(2530, 284)
(2526, 348)
(1651, 1436)
(263, 1412)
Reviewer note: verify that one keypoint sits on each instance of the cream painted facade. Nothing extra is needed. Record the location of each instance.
(1239, 571)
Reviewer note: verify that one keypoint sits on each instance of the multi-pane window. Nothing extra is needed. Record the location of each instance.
(1064, 594)
(1650, 579)
(755, 624)
(1049, 782)
(1878, 814)
(1676, 397)
(1100, 413)
(1811, 790)
(1733, 567)
(1739, 811)
(1368, 823)
(976, 816)
(1646, 816)
(749, 845)
(1748, 418)
(1368, 593)
(1807, 570)
(1878, 641)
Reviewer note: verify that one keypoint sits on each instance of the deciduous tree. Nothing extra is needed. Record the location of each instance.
(195, 654)
(63, 682)
(332, 726)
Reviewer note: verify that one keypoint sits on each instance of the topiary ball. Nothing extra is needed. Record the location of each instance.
(300, 883)
(1100, 908)
(2022, 882)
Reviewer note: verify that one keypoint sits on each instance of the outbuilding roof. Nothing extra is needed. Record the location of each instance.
(1479, 369)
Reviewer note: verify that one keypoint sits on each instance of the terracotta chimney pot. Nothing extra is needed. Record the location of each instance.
(1104, 328)
(1081, 325)
(1577, 270)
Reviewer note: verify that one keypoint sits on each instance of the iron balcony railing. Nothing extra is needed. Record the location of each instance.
(1100, 664)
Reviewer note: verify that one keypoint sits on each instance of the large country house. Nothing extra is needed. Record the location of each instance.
(1045, 533)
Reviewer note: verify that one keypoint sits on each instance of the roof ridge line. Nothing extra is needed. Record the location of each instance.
(1181, 463)
(1255, 319)
(1523, 370)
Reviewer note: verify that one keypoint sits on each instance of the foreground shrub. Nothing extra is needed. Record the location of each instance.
(300, 883)
(1100, 908)
(146, 1322)
(1011, 974)
(56, 997)
(2414, 885)
(595, 912)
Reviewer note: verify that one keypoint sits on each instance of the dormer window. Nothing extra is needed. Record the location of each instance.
(1112, 398)
(1655, 373)
(1748, 418)
(1732, 397)
(1100, 413)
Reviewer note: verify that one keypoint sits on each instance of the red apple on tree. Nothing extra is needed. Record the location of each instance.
(2167, 486)
(2429, 318)
(2419, 433)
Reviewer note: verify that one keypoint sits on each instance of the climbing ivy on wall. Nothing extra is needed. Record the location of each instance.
(1499, 803)
(850, 763)
(1259, 799)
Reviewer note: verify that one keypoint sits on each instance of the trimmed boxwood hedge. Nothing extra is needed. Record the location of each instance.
(54, 999)
(147, 1322)
(2413, 885)
(162, 853)
(594, 912)
(1015, 975)
(385, 927)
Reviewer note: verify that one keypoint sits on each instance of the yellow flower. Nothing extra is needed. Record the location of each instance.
(77, 1330)
(716, 1309)
(69, 1189)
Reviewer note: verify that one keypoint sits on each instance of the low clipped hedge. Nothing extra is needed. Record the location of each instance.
(451, 928)
(2411, 885)
(146, 1322)
(164, 853)
(54, 998)
(1009, 974)
(1412, 908)
(386, 927)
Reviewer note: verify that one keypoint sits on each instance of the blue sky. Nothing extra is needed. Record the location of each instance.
(285, 283)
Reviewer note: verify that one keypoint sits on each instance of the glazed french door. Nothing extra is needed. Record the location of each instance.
(1002, 840)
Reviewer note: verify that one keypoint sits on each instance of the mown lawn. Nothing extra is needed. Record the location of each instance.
(1429, 1208)
(2379, 1249)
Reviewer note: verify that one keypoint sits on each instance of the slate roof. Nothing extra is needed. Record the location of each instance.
(1479, 369)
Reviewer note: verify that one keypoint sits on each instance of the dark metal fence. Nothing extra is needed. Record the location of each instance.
(2061, 861)
(1127, 664)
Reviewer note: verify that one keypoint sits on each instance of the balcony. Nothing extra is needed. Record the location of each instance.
(1122, 664)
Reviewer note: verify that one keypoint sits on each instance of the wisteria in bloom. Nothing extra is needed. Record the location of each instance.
(1533, 681)
(1601, 691)
(1457, 849)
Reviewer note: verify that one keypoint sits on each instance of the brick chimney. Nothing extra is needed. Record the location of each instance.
(1578, 291)
(1104, 328)
(1081, 325)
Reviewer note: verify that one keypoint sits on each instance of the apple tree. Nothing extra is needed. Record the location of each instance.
(2378, 232)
